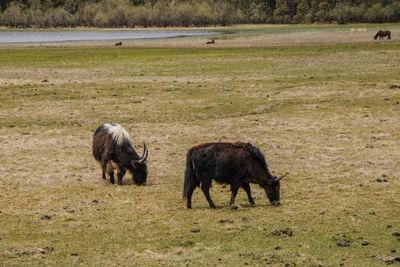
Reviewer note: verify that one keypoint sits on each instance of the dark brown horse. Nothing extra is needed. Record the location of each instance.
(382, 34)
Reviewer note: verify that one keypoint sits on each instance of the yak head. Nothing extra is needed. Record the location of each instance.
(272, 188)
(140, 168)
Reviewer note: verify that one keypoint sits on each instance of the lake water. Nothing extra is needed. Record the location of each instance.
(26, 36)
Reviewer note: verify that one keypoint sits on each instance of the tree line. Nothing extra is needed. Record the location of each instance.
(166, 13)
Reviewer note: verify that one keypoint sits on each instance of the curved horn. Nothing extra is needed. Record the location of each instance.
(280, 177)
(144, 155)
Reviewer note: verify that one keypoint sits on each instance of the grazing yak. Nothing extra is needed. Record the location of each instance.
(237, 164)
(112, 148)
(382, 34)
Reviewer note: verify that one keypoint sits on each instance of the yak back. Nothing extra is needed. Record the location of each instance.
(116, 144)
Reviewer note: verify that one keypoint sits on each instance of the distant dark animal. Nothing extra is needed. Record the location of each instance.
(382, 34)
(112, 148)
(119, 43)
(211, 42)
(237, 164)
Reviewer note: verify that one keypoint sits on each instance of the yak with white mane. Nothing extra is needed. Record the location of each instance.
(113, 150)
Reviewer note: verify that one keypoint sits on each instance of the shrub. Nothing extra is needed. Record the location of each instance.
(14, 16)
(60, 18)
(100, 20)
(374, 13)
(161, 15)
(88, 14)
(204, 15)
(184, 14)
(323, 12)
(117, 17)
(395, 7)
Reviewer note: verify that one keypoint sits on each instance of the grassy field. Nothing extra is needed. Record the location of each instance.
(323, 105)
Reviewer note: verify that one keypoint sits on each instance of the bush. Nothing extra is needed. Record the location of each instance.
(204, 15)
(309, 18)
(283, 13)
(184, 14)
(100, 20)
(341, 13)
(396, 11)
(61, 18)
(88, 14)
(323, 12)
(161, 15)
(391, 13)
(255, 13)
(117, 17)
(14, 16)
(225, 14)
(139, 16)
(374, 13)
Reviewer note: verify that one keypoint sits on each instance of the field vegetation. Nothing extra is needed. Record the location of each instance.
(323, 106)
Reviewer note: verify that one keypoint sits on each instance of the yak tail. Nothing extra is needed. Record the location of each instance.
(189, 175)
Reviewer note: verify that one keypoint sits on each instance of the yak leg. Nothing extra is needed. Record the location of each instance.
(112, 180)
(234, 190)
(206, 191)
(110, 170)
(120, 174)
(189, 195)
(246, 187)
(103, 170)
(104, 163)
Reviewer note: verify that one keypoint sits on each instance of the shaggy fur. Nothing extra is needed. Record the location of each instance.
(118, 133)
(113, 150)
(236, 164)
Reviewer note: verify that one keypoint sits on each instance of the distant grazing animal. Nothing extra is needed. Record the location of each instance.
(119, 43)
(382, 34)
(237, 164)
(211, 42)
(112, 148)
